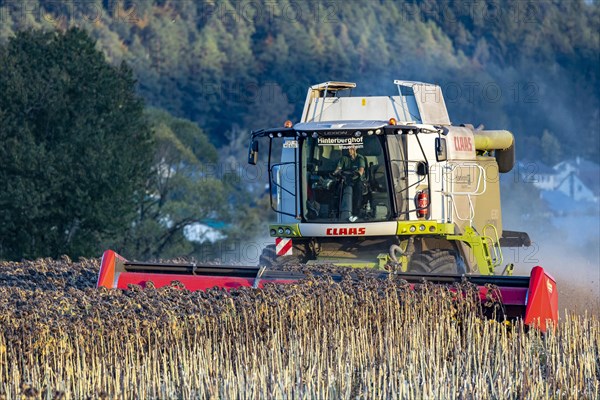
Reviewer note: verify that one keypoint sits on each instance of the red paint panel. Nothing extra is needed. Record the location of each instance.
(542, 304)
(192, 282)
(189, 281)
(509, 296)
(106, 277)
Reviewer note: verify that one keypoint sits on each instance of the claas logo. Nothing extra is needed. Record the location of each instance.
(345, 231)
(463, 143)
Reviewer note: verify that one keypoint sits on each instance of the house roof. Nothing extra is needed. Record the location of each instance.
(587, 171)
(591, 180)
(579, 163)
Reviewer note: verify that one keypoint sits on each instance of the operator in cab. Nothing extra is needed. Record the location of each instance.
(351, 169)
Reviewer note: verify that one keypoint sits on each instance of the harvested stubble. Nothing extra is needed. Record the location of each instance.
(60, 337)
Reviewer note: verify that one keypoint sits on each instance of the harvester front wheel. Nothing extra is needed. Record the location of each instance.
(437, 261)
(269, 257)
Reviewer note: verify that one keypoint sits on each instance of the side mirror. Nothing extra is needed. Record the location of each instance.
(253, 152)
(441, 153)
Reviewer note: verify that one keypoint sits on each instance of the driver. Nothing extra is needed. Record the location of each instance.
(352, 167)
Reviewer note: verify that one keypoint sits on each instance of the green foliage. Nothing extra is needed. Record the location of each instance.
(205, 61)
(74, 146)
(182, 189)
(541, 56)
(551, 149)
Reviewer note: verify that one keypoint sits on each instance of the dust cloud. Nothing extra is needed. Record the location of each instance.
(574, 265)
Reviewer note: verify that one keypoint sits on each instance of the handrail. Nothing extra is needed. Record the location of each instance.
(498, 257)
(480, 189)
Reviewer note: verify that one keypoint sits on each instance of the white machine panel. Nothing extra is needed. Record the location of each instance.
(460, 143)
(416, 102)
(357, 108)
(355, 229)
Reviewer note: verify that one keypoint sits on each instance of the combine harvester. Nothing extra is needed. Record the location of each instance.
(386, 183)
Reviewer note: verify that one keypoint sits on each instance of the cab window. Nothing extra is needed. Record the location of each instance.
(344, 180)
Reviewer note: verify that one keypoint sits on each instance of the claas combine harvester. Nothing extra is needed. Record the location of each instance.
(379, 182)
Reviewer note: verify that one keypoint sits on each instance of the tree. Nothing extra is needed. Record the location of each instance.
(183, 188)
(551, 148)
(75, 149)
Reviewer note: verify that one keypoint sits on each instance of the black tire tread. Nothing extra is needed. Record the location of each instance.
(436, 261)
(269, 258)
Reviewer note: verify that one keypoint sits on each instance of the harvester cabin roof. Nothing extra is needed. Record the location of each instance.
(416, 102)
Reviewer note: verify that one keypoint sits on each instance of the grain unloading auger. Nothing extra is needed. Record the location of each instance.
(385, 183)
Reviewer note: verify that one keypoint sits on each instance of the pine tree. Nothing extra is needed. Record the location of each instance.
(74, 147)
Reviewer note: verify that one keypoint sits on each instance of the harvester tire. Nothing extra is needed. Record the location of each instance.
(269, 257)
(438, 261)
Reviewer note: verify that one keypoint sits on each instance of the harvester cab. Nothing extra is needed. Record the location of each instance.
(385, 183)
